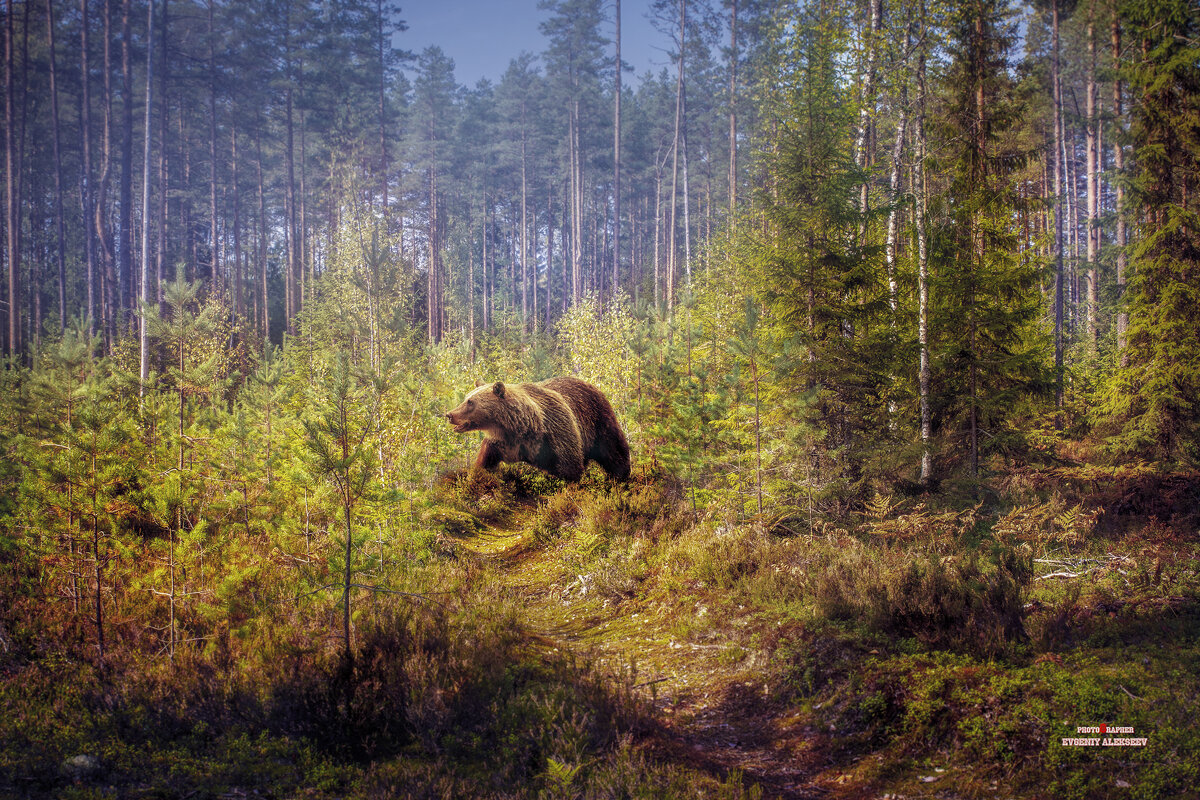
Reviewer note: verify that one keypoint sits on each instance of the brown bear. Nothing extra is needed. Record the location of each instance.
(556, 425)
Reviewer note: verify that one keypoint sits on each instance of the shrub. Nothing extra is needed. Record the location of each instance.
(957, 603)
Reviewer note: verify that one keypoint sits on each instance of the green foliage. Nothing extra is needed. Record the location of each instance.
(989, 344)
(1149, 404)
(366, 292)
(598, 348)
(959, 603)
(341, 438)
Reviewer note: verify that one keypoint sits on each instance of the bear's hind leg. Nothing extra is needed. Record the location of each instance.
(612, 453)
(564, 462)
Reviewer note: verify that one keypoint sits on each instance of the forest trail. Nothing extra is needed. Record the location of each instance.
(710, 712)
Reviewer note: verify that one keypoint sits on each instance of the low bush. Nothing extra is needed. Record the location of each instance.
(965, 602)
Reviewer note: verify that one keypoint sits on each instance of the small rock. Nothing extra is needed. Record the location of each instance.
(928, 778)
(1123, 784)
(81, 767)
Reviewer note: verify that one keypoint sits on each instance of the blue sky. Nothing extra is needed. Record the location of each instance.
(482, 36)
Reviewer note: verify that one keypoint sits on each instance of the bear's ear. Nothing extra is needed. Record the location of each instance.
(498, 388)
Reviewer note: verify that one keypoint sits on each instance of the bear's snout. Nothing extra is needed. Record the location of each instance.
(457, 419)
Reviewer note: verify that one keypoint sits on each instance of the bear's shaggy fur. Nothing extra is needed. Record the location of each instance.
(601, 435)
(556, 425)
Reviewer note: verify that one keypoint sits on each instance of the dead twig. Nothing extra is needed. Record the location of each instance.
(1067, 574)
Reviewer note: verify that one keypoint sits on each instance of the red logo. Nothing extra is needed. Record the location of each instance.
(1103, 729)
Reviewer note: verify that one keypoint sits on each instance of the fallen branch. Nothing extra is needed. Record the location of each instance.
(1067, 574)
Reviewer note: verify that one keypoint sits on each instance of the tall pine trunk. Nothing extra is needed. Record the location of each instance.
(383, 150)
(733, 65)
(919, 193)
(979, 179)
(471, 298)
(161, 221)
(85, 193)
(576, 205)
(125, 221)
(672, 227)
(568, 245)
(549, 249)
(485, 304)
(303, 256)
(894, 199)
(218, 283)
(1093, 180)
(616, 250)
(687, 225)
(290, 212)
(524, 229)
(1119, 169)
(658, 182)
(533, 289)
(143, 335)
(867, 103)
(238, 309)
(262, 236)
(60, 249)
(12, 186)
(103, 236)
(1056, 193)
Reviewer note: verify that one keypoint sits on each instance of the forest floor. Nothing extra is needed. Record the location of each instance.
(712, 712)
(765, 661)
(605, 641)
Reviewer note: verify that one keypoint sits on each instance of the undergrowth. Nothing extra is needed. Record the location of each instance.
(972, 640)
(908, 641)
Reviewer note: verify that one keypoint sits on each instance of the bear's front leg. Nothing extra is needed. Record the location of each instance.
(491, 453)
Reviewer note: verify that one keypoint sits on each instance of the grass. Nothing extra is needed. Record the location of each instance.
(603, 640)
(925, 640)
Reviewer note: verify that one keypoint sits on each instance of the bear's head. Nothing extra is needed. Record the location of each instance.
(482, 409)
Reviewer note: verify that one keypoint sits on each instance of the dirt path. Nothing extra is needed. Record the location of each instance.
(710, 711)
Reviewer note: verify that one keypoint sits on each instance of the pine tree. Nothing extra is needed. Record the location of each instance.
(574, 67)
(431, 127)
(339, 443)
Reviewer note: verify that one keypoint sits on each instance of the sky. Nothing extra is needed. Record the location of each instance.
(482, 36)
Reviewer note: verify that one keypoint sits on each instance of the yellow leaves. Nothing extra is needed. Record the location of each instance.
(598, 348)
(881, 506)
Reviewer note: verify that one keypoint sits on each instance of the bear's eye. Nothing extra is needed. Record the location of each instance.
(470, 404)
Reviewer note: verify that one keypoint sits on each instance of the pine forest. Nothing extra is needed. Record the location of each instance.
(897, 305)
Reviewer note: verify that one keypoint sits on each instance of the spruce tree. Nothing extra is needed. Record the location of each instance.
(988, 306)
(1152, 407)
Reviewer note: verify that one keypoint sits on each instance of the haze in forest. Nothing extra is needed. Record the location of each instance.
(482, 37)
